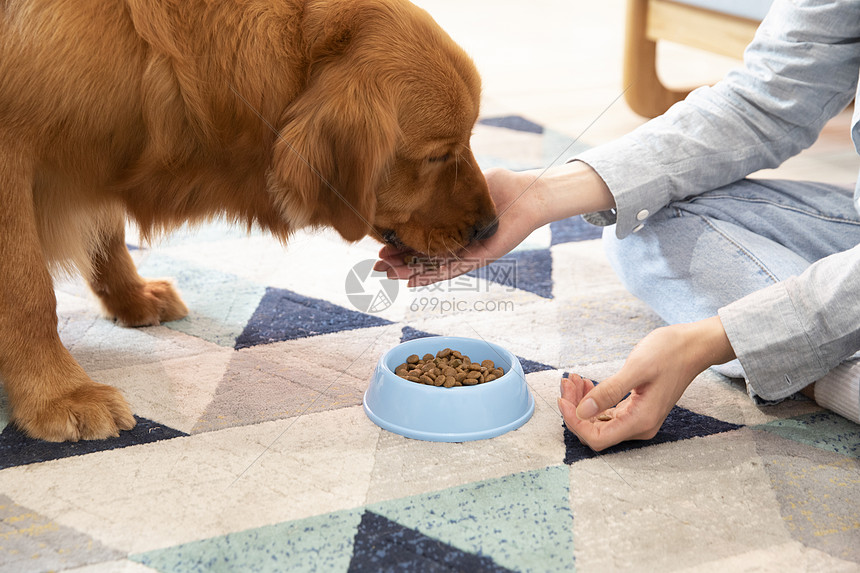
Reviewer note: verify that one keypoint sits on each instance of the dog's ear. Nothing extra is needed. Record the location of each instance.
(335, 147)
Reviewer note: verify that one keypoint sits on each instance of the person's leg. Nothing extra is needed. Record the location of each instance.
(839, 390)
(696, 256)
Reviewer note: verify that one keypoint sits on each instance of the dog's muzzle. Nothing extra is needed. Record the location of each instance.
(391, 238)
(481, 233)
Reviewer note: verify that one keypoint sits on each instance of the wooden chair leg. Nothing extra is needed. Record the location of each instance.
(646, 95)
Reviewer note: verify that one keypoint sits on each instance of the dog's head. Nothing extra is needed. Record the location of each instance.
(378, 141)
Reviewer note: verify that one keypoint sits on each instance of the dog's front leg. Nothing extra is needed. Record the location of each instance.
(125, 296)
(52, 398)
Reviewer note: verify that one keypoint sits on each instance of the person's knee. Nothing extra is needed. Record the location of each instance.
(629, 258)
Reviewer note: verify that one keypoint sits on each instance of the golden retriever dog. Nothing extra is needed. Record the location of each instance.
(277, 114)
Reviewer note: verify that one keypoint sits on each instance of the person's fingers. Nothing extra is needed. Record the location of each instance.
(383, 264)
(387, 251)
(568, 412)
(574, 387)
(397, 272)
(424, 275)
(563, 383)
(392, 265)
(391, 270)
(404, 263)
(605, 395)
(568, 392)
(435, 270)
(597, 434)
(602, 434)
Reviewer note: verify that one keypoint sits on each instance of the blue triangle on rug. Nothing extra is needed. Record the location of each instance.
(286, 315)
(529, 366)
(573, 229)
(16, 449)
(525, 270)
(384, 545)
(409, 333)
(680, 424)
(514, 122)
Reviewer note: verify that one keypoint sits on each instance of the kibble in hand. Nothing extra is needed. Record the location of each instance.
(449, 368)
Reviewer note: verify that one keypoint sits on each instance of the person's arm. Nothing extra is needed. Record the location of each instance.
(524, 202)
(568, 190)
(812, 323)
(656, 374)
(800, 71)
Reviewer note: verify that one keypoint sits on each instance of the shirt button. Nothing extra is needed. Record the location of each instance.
(637, 228)
(642, 215)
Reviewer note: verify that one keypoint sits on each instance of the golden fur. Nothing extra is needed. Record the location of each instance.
(277, 114)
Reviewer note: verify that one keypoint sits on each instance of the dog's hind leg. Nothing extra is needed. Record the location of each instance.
(125, 296)
(52, 398)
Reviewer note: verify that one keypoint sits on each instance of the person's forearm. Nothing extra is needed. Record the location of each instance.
(709, 342)
(567, 190)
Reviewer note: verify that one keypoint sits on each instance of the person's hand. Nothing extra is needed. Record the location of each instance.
(514, 197)
(656, 374)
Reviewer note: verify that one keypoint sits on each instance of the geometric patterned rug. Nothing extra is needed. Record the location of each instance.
(252, 451)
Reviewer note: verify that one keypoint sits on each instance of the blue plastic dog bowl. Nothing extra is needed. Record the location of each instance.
(458, 414)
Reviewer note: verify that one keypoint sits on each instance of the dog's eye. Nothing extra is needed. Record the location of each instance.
(440, 158)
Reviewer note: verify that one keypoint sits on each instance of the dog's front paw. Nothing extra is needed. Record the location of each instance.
(150, 305)
(89, 412)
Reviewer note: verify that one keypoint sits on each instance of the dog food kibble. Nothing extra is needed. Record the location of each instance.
(448, 368)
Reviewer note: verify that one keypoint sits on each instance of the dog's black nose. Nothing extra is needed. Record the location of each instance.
(390, 237)
(482, 233)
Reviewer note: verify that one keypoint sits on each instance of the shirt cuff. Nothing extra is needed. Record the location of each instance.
(638, 191)
(784, 361)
